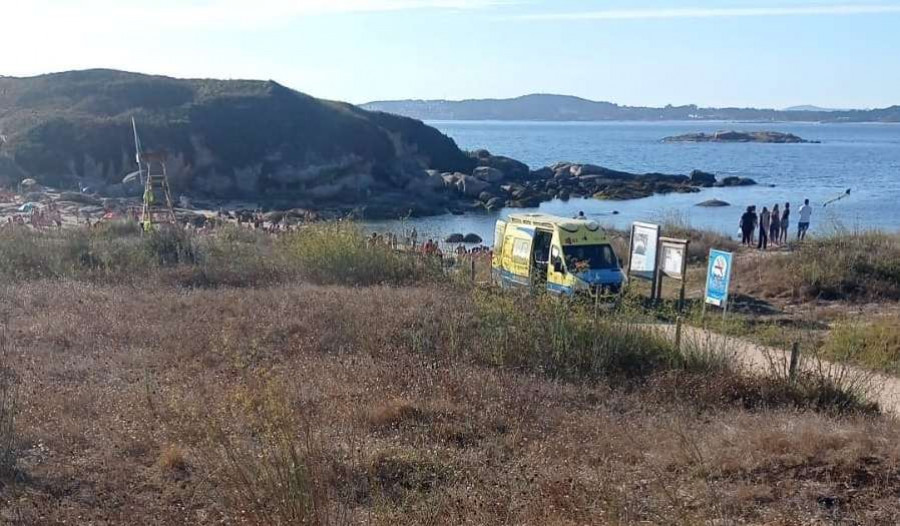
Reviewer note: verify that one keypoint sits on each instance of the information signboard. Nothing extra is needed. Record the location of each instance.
(644, 242)
(718, 278)
(673, 259)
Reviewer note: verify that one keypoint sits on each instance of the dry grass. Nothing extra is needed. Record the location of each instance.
(373, 405)
(860, 266)
(9, 408)
(679, 226)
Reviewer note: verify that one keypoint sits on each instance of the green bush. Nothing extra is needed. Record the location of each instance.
(568, 339)
(874, 344)
(340, 253)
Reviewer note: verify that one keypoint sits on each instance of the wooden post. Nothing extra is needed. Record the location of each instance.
(795, 358)
(681, 294)
(678, 334)
(658, 283)
(473, 269)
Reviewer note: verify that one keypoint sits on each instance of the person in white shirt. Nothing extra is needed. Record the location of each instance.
(803, 225)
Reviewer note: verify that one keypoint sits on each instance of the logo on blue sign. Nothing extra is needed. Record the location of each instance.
(718, 277)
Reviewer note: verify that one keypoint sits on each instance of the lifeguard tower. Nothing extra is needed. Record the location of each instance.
(157, 206)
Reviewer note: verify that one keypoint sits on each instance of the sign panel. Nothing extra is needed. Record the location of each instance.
(718, 277)
(644, 241)
(673, 256)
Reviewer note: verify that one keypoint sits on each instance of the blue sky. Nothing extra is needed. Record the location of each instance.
(839, 53)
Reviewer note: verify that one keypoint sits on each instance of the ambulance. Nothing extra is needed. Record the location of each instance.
(565, 256)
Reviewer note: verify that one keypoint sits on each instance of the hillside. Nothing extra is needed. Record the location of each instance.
(227, 139)
(544, 107)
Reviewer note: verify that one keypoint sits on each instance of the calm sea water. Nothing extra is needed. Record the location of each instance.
(862, 157)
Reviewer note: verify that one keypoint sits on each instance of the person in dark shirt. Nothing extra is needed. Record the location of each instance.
(775, 227)
(785, 222)
(765, 222)
(748, 225)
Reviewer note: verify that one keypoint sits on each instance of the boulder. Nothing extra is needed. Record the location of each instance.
(701, 178)
(274, 217)
(486, 196)
(84, 199)
(434, 180)
(580, 170)
(736, 181)
(91, 210)
(532, 201)
(455, 238)
(710, 203)
(495, 204)
(472, 238)
(563, 173)
(488, 174)
(543, 173)
(511, 168)
(451, 179)
(471, 186)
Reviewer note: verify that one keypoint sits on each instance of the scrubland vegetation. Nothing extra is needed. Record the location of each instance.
(311, 379)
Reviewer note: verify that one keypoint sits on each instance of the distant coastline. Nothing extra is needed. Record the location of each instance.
(564, 108)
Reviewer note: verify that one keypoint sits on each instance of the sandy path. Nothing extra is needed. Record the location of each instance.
(881, 388)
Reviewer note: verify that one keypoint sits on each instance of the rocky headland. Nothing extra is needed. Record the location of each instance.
(234, 144)
(739, 136)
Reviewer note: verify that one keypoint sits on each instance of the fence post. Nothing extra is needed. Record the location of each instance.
(473, 268)
(795, 358)
(678, 323)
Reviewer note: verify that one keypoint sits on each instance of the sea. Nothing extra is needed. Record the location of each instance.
(861, 157)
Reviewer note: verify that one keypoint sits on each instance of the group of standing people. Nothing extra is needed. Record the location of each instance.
(772, 225)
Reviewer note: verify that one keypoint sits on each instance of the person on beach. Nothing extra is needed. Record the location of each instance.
(775, 229)
(803, 225)
(747, 225)
(765, 219)
(785, 221)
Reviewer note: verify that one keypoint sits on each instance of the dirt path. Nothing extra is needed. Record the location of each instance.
(881, 388)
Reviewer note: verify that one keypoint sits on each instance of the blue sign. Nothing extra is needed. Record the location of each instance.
(718, 277)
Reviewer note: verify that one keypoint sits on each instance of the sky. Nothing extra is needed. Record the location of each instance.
(763, 53)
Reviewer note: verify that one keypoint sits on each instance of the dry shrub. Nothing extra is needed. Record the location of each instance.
(758, 392)
(842, 265)
(271, 469)
(9, 408)
(849, 265)
(395, 412)
(568, 339)
(270, 403)
(679, 226)
(400, 477)
(173, 462)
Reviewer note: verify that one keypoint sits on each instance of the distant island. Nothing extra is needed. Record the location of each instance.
(810, 107)
(546, 107)
(737, 136)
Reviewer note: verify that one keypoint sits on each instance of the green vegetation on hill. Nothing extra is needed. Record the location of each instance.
(226, 139)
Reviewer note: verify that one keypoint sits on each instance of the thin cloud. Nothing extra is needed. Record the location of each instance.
(219, 14)
(716, 12)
